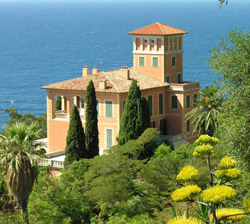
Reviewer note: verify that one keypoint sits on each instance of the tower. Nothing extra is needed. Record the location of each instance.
(158, 52)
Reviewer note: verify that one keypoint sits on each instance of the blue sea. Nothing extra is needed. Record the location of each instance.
(43, 42)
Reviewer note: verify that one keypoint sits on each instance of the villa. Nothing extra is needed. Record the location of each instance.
(158, 69)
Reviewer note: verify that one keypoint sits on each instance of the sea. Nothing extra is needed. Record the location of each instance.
(43, 42)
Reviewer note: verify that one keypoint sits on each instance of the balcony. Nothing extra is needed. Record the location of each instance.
(61, 114)
(51, 163)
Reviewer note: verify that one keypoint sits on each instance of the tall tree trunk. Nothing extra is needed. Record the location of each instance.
(25, 215)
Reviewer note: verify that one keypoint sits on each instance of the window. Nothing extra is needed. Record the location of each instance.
(195, 99)
(188, 101)
(152, 41)
(160, 103)
(174, 102)
(141, 61)
(150, 106)
(109, 112)
(155, 62)
(179, 78)
(152, 124)
(173, 61)
(163, 126)
(109, 138)
(188, 125)
(167, 79)
(97, 107)
(145, 41)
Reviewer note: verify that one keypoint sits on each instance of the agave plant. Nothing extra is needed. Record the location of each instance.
(19, 153)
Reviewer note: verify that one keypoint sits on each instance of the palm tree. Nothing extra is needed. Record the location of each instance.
(204, 116)
(18, 153)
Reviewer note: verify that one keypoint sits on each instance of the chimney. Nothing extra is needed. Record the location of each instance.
(85, 71)
(103, 84)
(124, 72)
(95, 70)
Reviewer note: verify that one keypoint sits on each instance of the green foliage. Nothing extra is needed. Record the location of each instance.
(205, 115)
(58, 103)
(75, 143)
(19, 154)
(114, 182)
(91, 123)
(27, 118)
(135, 117)
(231, 60)
(61, 200)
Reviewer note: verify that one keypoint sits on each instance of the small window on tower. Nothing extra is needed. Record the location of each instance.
(173, 61)
(168, 79)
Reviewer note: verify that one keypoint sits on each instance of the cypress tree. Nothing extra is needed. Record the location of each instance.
(58, 103)
(75, 143)
(91, 122)
(135, 117)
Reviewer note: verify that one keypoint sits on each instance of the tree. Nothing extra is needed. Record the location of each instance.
(135, 117)
(58, 103)
(28, 118)
(91, 122)
(204, 116)
(18, 152)
(62, 200)
(231, 61)
(221, 2)
(75, 143)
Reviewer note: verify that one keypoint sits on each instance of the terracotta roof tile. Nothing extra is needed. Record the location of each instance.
(157, 29)
(115, 82)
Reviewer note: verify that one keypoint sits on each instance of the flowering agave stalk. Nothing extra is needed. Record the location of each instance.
(216, 193)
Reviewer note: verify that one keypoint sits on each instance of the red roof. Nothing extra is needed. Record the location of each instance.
(157, 29)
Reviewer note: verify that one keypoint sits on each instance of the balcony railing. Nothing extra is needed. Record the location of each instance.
(61, 114)
(51, 163)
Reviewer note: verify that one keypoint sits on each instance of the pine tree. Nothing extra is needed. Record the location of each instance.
(135, 117)
(75, 143)
(91, 122)
(58, 103)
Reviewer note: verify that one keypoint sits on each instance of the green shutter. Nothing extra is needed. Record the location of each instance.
(188, 125)
(195, 99)
(109, 135)
(188, 101)
(160, 103)
(97, 107)
(155, 62)
(109, 112)
(150, 100)
(173, 61)
(174, 102)
(141, 61)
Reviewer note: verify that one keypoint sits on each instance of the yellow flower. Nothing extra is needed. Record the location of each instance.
(218, 194)
(187, 173)
(227, 163)
(184, 220)
(228, 174)
(206, 139)
(203, 150)
(185, 193)
(246, 203)
(221, 213)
